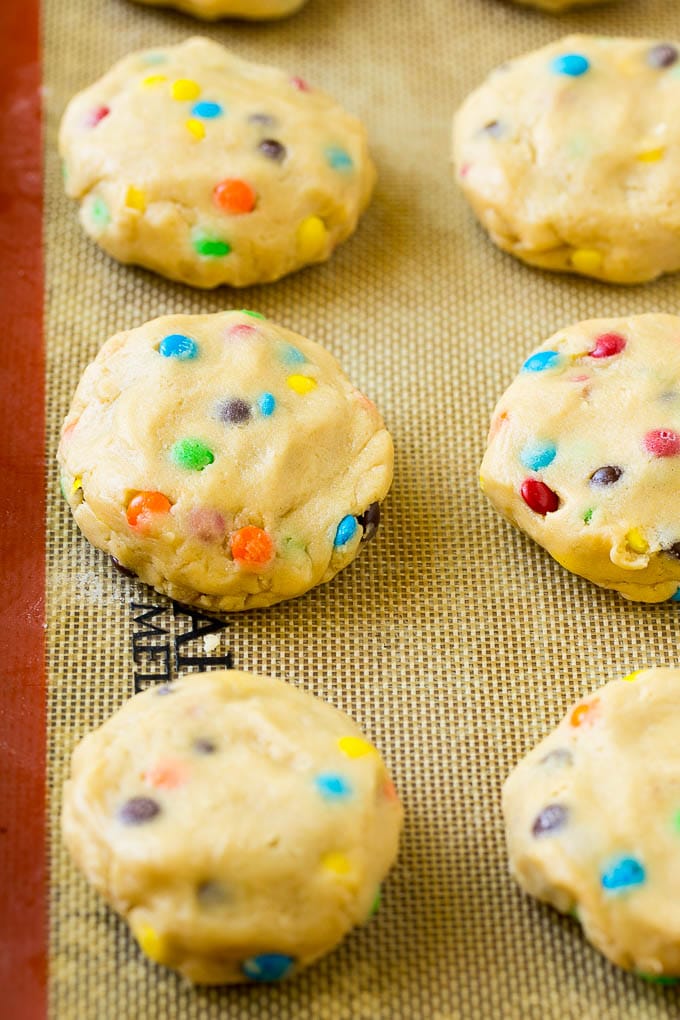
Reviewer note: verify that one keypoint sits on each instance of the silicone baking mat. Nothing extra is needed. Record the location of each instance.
(453, 640)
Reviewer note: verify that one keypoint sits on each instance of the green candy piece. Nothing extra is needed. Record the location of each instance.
(588, 516)
(211, 247)
(254, 315)
(191, 454)
(100, 212)
(658, 979)
(375, 907)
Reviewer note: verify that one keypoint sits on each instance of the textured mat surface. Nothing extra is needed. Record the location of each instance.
(454, 641)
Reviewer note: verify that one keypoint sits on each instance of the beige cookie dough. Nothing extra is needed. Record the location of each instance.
(584, 453)
(239, 824)
(212, 170)
(592, 817)
(223, 459)
(570, 157)
(211, 10)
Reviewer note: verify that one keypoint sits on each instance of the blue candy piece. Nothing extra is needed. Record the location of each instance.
(338, 158)
(571, 64)
(266, 404)
(332, 786)
(623, 873)
(676, 597)
(346, 529)
(292, 356)
(538, 455)
(207, 111)
(176, 345)
(267, 967)
(540, 361)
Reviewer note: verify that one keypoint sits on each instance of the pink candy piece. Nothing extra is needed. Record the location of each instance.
(241, 330)
(207, 525)
(300, 84)
(607, 345)
(95, 116)
(662, 443)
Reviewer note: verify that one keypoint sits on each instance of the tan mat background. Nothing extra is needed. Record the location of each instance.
(455, 642)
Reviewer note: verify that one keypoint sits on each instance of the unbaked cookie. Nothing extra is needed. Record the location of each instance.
(593, 820)
(211, 10)
(224, 460)
(240, 825)
(584, 453)
(212, 170)
(570, 157)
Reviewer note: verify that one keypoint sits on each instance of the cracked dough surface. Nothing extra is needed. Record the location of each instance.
(592, 820)
(224, 460)
(213, 9)
(212, 170)
(569, 156)
(584, 453)
(240, 825)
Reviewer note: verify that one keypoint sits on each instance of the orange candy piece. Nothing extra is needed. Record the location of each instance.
(251, 546)
(166, 775)
(234, 196)
(583, 713)
(143, 506)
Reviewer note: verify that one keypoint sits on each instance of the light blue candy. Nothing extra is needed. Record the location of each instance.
(292, 356)
(267, 967)
(338, 158)
(623, 873)
(346, 529)
(676, 597)
(571, 64)
(538, 455)
(540, 361)
(207, 111)
(177, 345)
(266, 404)
(332, 786)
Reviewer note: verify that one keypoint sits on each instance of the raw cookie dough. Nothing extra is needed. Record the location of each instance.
(213, 9)
(593, 820)
(212, 170)
(570, 157)
(584, 453)
(239, 824)
(223, 459)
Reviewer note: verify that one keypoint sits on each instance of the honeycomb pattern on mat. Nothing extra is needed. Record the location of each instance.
(453, 641)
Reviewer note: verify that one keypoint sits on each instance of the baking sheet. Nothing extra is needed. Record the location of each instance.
(453, 640)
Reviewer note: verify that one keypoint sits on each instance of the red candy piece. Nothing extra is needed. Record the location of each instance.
(662, 443)
(538, 497)
(300, 84)
(94, 116)
(241, 329)
(607, 345)
(234, 196)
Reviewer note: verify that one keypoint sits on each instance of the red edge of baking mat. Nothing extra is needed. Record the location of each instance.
(23, 869)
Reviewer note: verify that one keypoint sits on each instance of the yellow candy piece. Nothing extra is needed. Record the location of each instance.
(195, 128)
(135, 199)
(311, 237)
(651, 155)
(355, 747)
(633, 676)
(336, 863)
(185, 89)
(301, 383)
(152, 80)
(151, 943)
(587, 260)
(77, 483)
(636, 541)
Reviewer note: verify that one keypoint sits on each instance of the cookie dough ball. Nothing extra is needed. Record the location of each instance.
(557, 6)
(212, 170)
(224, 460)
(593, 820)
(570, 157)
(210, 10)
(584, 453)
(240, 825)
